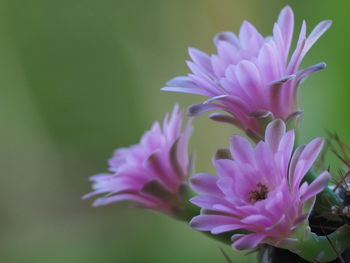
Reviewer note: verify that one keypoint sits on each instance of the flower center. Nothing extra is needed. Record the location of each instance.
(259, 194)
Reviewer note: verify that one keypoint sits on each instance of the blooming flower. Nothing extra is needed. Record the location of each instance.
(151, 172)
(260, 190)
(250, 77)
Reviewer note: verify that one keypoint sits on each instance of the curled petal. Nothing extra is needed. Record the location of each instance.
(303, 74)
(223, 153)
(279, 82)
(228, 37)
(294, 119)
(201, 108)
(225, 118)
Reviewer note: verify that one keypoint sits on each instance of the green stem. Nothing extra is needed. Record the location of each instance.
(323, 248)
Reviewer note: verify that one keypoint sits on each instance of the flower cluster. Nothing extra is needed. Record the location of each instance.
(259, 190)
(151, 172)
(250, 77)
(262, 194)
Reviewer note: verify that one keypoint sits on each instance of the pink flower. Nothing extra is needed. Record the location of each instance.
(251, 77)
(260, 191)
(150, 172)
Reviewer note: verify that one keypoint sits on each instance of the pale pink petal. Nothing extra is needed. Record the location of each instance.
(303, 74)
(286, 24)
(249, 241)
(293, 163)
(286, 146)
(208, 201)
(182, 81)
(249, 36)
(297, 54)
(208, 222)
(204, 184)
(268, 66)
(228, 37)
(259, 220)
(201, 108)
(122, 197)
(200, 58)
(248, 77)
(274, 134)
(225, 228)
(184, 90)
(316, 186)
(306, 159)
(316, 33)
(241, 149)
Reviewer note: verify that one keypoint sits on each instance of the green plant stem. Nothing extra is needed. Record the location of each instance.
(323, 248)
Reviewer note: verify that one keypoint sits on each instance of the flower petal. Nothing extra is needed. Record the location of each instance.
(225, 228)
(286, 23)
(208, 222)
(248, 77)
(208, 201)
(202, 59)
(293, 163)
(316, 186)
(274, 133)
(201, 108)
(316, 33)
(303, 74)
(306, 159)
(241, 149)
(122, 197)
(228, 37)
(259, 220)
(249, 241)
(204, 183)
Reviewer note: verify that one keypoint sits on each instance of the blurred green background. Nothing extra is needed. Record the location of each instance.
(80, 78)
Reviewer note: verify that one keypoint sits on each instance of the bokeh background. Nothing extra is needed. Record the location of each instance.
(80, 78)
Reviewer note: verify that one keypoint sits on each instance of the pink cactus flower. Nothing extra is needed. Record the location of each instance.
(260, 190)
(150, 173)
(251, 77)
